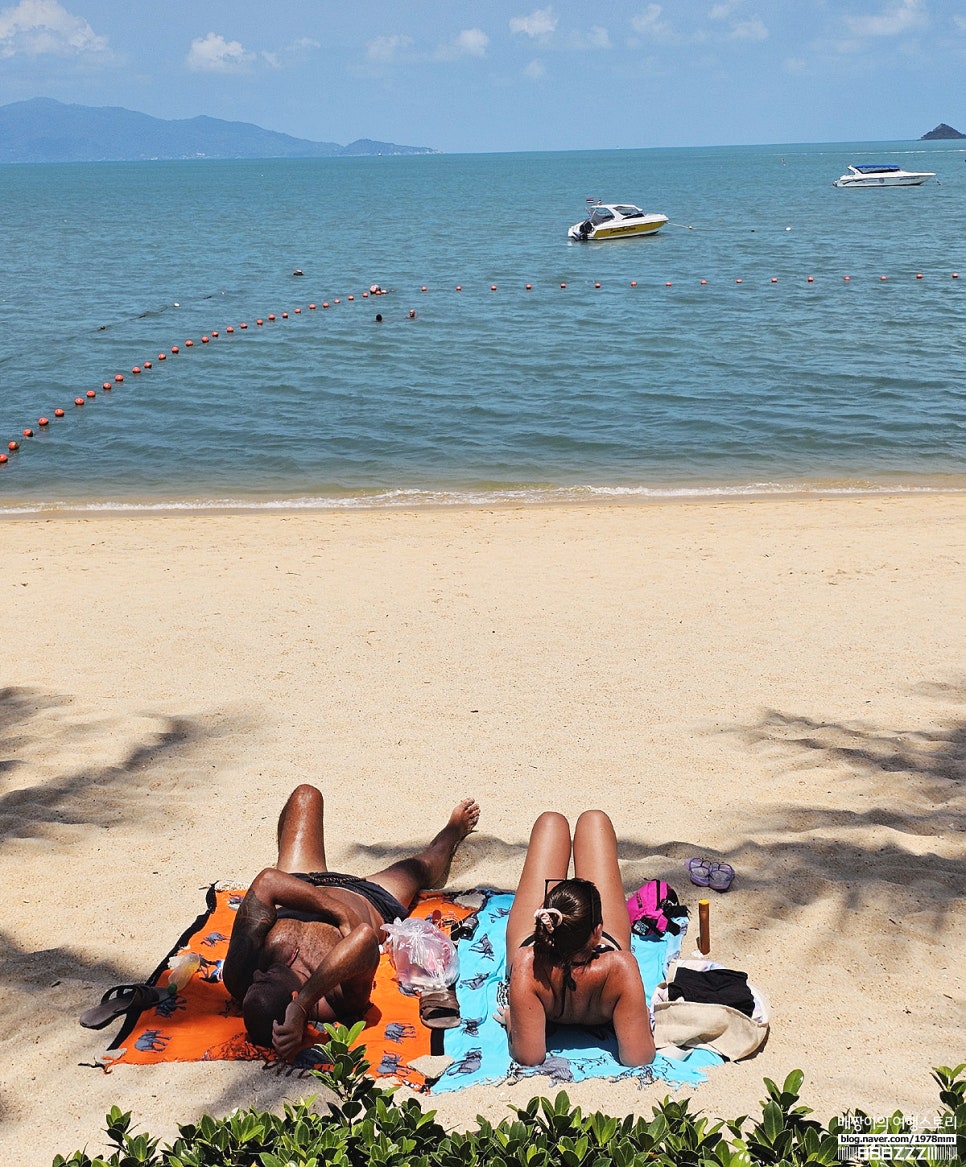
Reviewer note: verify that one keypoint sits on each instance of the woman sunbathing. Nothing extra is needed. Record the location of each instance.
(568, 943)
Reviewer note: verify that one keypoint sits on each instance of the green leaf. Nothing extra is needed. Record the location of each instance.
(773, 1121)
(793, 1083)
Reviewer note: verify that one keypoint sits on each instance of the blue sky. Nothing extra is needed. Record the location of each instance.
(493, 75)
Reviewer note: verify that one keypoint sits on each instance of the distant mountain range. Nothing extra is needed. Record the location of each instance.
(42, 130)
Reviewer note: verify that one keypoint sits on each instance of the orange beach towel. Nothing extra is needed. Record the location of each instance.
(201, 1023)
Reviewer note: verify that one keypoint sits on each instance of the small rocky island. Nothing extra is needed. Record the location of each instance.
(941, 133)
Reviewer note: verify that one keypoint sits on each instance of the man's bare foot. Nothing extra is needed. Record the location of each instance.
(464, 818)
(439, 854)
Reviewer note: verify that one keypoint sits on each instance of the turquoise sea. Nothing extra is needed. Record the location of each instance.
(778, 335)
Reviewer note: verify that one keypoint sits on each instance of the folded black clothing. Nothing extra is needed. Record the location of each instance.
(715, 986)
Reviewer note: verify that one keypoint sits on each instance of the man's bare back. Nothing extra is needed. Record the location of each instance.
(305, 945)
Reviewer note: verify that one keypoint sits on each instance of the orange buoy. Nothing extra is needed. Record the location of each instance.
(298, 311)
(271, 315)
(918, 275)
(492, 287)
(704, 283)
(189, 344)
(633, 283)
(259, 323)
(229, 329)
(106, 385)
(58, 413)
(147, 364)
(563, 285)
(738, 281)
(883, 277)
(162, 357)
(459, 287)
(243, 325)
(529, 287)
(118, 378)
(91, 393)
(335, 301)
(175, 349)
(350, 297)
(43, 421)
(312, 307)
(667, 283)
(847, 278)
(214, 334)
(3, 458)
(204, 340)
(285, 316)
(596, 285)
(774, 279)
(811, 279)
(423, 288)
(955, 275)
(78, 400)
(28, 433)
(13, 445)
(365, 295)
(136, 369)
(325, 303)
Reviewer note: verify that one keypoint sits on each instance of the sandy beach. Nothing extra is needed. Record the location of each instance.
(780, 683)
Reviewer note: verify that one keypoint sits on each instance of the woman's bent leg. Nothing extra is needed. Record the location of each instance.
(548, 857)
(595, 858)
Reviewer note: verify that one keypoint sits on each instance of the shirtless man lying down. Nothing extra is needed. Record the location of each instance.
(305, 943)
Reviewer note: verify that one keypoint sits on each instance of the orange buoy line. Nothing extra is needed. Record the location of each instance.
(59, 413)
(107, 386)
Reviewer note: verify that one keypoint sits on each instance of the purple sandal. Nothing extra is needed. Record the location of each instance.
(720, 876)
(700, 872)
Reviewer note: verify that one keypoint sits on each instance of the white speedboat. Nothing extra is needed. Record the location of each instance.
(865, 174)
(615, 221)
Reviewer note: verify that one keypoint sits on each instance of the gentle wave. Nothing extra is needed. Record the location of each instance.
(483, 499)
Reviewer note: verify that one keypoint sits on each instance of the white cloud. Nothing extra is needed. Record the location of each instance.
(749, 30)
(901, 17)
(387, 48)
(292, 55)
(649, 23)
(540, 24)
(535, 71)
(595, 37)
(36, 27)
(213, 54)
(471, 42)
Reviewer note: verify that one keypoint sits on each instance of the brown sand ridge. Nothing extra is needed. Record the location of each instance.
(779, 683)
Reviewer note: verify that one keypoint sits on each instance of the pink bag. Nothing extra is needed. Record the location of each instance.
(654, 910)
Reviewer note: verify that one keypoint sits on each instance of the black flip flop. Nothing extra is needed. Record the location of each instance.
(439, 1009)
(120, 1000)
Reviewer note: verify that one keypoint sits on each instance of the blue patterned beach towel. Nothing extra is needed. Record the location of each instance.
(479, 1046)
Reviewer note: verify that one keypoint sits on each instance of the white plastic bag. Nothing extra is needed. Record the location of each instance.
(423, 955)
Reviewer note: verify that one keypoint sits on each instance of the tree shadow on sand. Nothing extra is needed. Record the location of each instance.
(163, 760)
(902, 782)
(905, 786)
(63, 794)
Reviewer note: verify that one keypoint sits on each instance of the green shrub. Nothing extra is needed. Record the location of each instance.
(366, 1126)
